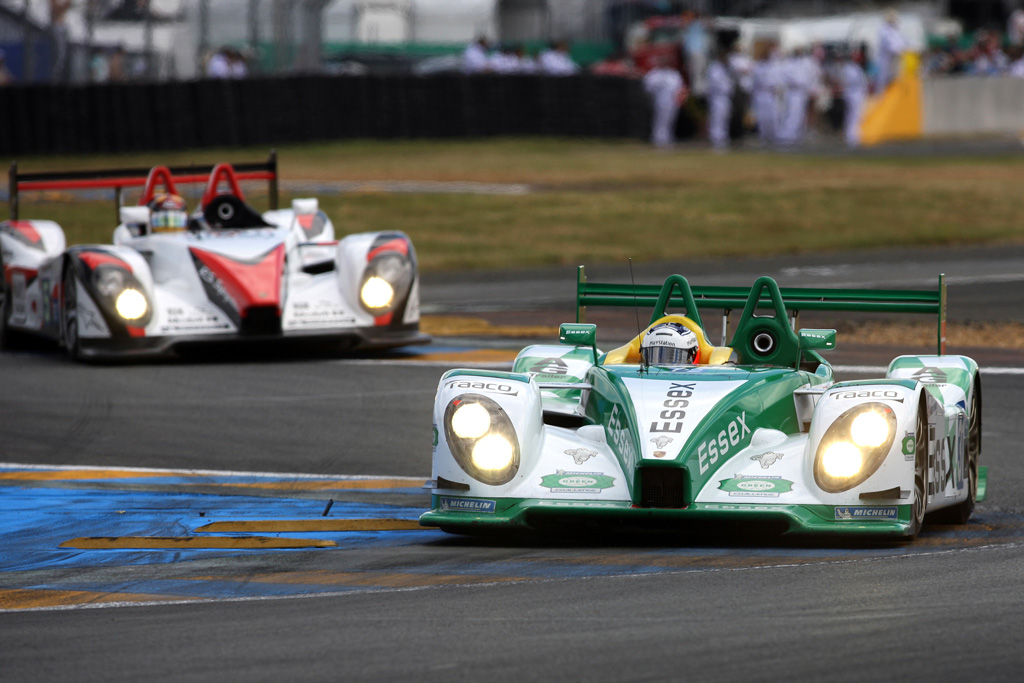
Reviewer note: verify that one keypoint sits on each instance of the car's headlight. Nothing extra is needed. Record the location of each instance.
(482, 439)
(121, 291)
(386, 278)
(854, 447)
(131, 304)
(377, 293)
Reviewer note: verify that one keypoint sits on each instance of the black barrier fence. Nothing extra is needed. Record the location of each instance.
(111, 118)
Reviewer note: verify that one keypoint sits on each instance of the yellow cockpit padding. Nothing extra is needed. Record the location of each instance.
(709, 355)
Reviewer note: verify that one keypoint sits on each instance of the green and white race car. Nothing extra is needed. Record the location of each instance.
(757, 433)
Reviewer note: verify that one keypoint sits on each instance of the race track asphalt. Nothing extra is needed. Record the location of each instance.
(95, 452)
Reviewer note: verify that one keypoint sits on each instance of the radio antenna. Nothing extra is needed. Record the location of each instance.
(636, 310)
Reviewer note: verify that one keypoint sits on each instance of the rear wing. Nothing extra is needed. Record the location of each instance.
(677, 292)
(120, 178)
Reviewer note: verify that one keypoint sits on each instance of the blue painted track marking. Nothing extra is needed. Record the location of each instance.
(42, 507)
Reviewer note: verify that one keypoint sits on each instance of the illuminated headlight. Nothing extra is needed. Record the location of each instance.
(482, 439)
(386, 280)
(121, 294)
(131, 304)
(854, 447)
(377, 293)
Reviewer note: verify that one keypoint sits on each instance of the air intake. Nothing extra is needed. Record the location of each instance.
(662, 487)
(260, 320)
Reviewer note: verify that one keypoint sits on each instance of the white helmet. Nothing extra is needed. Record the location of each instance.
(669, 344)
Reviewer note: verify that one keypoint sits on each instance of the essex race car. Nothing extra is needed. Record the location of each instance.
(755, 434)
(224, 273)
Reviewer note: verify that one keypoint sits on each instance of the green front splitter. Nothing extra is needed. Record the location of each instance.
(538, 514)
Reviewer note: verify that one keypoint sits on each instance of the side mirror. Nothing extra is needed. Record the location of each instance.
(134, 214)
(817, 339)
(579, 334)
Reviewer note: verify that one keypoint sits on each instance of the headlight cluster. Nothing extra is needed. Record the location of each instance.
(482, 439)
(123, 292)
(854, 447)
(386, 276)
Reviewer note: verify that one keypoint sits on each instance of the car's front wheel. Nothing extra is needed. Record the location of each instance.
(917, 509)
(69, 315)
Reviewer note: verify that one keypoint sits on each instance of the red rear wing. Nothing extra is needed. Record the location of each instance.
(119, 178)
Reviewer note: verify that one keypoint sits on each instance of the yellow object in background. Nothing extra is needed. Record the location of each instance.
(897, 113)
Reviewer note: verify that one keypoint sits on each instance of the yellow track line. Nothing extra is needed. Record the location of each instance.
(190, 542)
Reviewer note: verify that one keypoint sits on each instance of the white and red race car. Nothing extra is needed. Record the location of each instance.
(230, 274)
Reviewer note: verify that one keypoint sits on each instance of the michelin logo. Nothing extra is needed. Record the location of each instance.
(467, 505)
(852, 513)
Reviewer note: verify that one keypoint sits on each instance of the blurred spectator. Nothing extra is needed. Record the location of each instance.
(6, 77)
(616, 64)
(819, 99)
(741, 68)
(503, 61)
(99, 66)
(238, 66)
(794, 76)
(474, 58)
(766, 88)
(1015, 27)
(989, 58)
(116, 70)
(664, 85)
(696, 44)
(854, 83)
(219, 64)
(720, 93)
(59, 39)
(555, 61)
(1017, 65)
(891, 45)
(525, 63)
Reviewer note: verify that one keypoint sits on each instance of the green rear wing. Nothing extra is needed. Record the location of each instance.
(764, 294)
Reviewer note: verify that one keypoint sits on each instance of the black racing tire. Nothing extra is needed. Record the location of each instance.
(962, 511)
(6, 335)
(920, 493)
(70, 338)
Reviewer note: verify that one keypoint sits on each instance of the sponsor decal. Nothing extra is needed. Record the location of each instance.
(661, 441)
(563, 481)
(853, 513)
(434, 440)
(550, 366)
(882, 394)
(909, 446)
(767, 459)
(490, 387)
(192, 320)
(660, 454)
(450, 504)
(675, 400)
(580, 455)
(729, 438)
(618, 433)
(215, 289)
(931, 376)
(89, 320)
(756, 486)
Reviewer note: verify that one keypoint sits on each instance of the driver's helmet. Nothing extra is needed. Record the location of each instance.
(168, 213)
(669, 344)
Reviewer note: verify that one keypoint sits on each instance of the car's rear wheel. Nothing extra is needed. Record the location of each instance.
(962, 511)
(917, 509)
(69, 315)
